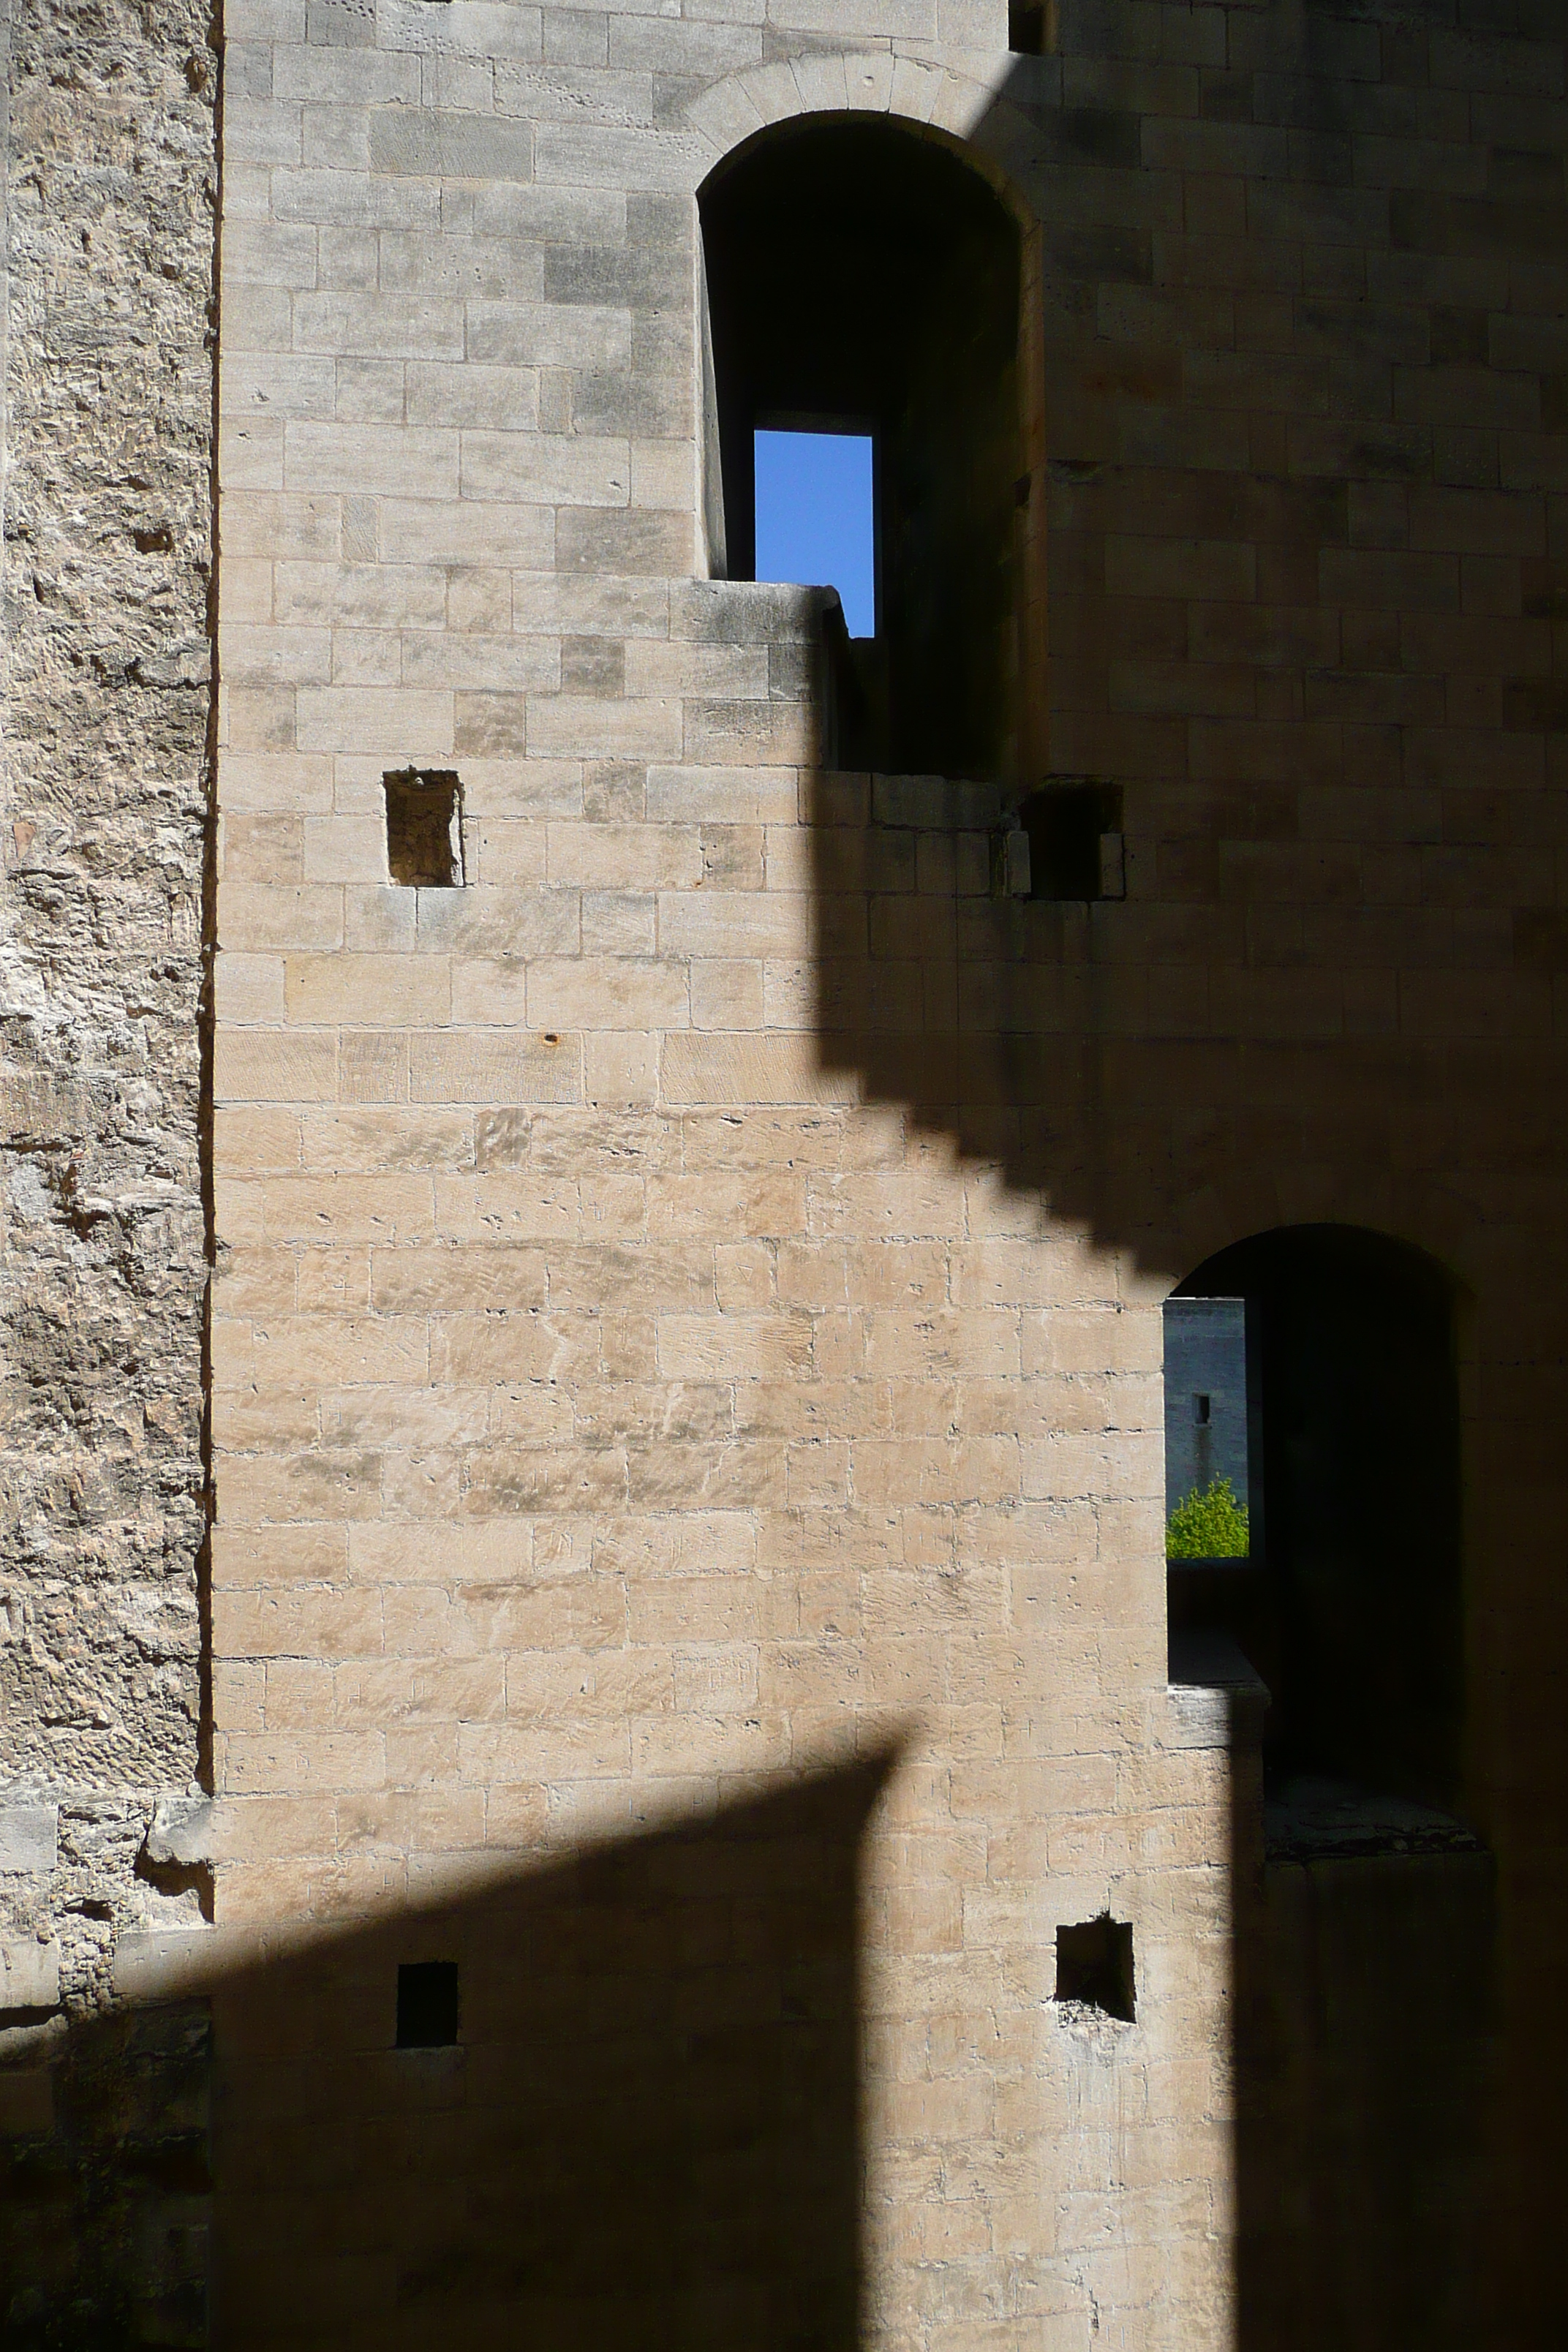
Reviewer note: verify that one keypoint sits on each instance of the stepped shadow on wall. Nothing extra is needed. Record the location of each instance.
(1255, 1038)
(647, 2135)
(1374, 2176)
(1170, 1075)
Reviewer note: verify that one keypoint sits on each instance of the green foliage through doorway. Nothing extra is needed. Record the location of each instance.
(1208, 1524)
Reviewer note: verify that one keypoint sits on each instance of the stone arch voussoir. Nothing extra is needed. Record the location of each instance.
(966, 110)
(1425, 1218)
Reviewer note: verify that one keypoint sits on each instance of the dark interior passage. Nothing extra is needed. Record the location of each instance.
(1350, 1607)
(1364, 1909)
(860, 277)
(1365, 2018)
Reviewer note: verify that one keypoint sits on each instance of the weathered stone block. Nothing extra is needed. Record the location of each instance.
(29, 1974)
(28, 1837)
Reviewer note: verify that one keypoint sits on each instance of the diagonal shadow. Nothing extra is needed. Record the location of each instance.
(647, 2135)
(1272, 1030)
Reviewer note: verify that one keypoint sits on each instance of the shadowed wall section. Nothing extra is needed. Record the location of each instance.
(645, 2137)
(1366, 2048)
(686, 1297)
(646, 2134)
(1387, 2151)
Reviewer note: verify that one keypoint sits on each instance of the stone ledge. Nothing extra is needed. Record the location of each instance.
(1216, 1697)
(155, 1964)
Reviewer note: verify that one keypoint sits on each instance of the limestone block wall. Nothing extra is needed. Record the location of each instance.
(623, 1405)
(686, 1315)
(111, 198)
(687, 1300)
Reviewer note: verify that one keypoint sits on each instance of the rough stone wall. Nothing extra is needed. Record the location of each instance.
(112, 198)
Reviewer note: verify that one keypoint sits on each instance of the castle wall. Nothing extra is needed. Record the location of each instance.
(687, 1306)
(685, 1362)
(621, 1409)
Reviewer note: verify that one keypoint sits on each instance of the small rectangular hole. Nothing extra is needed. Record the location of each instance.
(1027, 28)
(1201, 1411)
(1068, 825)
(1094, 1965)
(425, 828)
(427, 2004)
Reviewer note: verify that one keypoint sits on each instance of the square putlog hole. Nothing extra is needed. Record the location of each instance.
(427, 2004)
(425, 828)
(1031, 27)
(1094, 1965)
(1076, 843)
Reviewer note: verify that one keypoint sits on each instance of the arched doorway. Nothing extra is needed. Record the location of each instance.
(862, 277)
(1349, 1601)
(1363, 1905)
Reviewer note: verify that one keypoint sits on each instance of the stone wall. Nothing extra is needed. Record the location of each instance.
(687, 1315)
(689, 1298)
(629, 1401)
(109, 394)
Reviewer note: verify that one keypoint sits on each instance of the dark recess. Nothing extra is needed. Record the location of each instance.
(1067, 825)
(1349, 1606)
(858, 271)
(1094, 1965)
(424, 827)
(1027, 28)
(427, 2004)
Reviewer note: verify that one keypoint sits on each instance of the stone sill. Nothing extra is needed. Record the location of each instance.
(1310, 1819)
(1217, 1699)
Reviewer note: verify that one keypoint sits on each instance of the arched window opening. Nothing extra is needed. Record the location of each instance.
(861, 279)
(1325, 1357)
